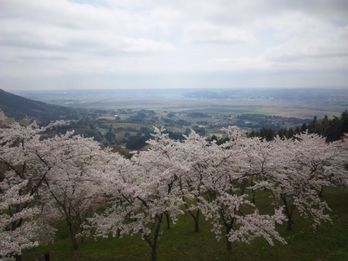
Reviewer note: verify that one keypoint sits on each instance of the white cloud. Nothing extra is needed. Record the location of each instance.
(307, 43)
(65, 37)
(213, 34)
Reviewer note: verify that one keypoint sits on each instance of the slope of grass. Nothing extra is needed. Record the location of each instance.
(329, 242)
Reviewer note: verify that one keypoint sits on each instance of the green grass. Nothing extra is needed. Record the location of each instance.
(329, 242)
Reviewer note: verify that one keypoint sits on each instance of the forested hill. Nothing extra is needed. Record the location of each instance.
(332, 129)
(18, 107)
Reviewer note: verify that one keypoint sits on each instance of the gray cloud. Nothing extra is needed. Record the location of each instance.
(57, 38)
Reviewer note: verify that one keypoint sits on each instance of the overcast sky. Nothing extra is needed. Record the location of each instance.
(65, 44)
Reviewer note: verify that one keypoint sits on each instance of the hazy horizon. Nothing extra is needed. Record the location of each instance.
(23, 90)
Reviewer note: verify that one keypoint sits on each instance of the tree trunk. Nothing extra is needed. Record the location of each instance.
(288, 212)
(253, 200)
(72, 235)
(290, 223)
(18, 257)
(228, 243)
(154, 253)
(74, 243)
(321, 192)
(155, 237)
(47, 256)
(196, 219)
(44, 257)
(168, 220)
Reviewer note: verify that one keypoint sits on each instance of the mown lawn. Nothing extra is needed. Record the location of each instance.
(329, 242)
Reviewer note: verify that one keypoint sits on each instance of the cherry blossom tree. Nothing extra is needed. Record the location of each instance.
(226, 202)
(337, 171)
(195, 155)
(300, 170)
(61, 175)
(21, 222)
(18, 227)
(143, 191)
(100, 193)
(240, 219)
(75, 165)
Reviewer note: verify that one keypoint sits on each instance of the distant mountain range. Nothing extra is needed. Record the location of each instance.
(18, 107)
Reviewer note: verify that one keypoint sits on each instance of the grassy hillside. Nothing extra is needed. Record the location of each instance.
(329, 242)
(18, 107)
